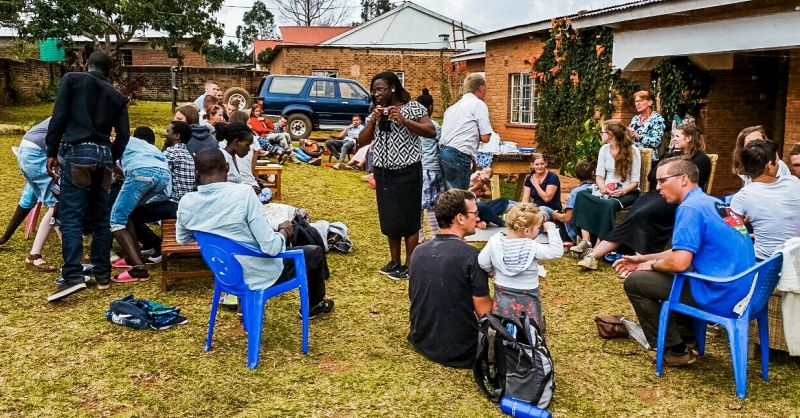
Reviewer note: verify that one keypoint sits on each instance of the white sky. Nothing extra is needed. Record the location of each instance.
(484, 15)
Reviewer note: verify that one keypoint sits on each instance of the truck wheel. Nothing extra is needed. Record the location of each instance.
(240, 94)
(299, 125)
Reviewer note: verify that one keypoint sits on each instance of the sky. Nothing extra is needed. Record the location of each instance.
(474, 13)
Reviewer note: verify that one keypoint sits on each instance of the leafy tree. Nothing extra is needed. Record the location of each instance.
(257, 23)
(230, 52)
(111, 24)
(313, 12)
(371, 9)
(263, 56)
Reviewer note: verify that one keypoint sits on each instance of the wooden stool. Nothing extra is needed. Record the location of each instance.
(170, 248)
(264, 170)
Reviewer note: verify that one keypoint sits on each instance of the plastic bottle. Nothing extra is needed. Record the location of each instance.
(522, 409)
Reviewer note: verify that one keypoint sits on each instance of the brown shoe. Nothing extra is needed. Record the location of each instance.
(675, 360)
(37, 263)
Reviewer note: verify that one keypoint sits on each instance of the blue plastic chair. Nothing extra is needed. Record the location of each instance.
(218, 253)
(766, 274)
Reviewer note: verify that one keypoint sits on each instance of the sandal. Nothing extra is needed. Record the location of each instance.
(136, 274)
(37, 263)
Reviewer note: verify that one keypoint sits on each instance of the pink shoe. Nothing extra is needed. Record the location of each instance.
(121, 264)
(125, 277)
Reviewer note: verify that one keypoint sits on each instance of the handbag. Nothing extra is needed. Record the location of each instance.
(610, 326)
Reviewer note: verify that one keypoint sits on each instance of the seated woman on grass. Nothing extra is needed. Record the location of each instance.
(648, 225)
(616, 183)
(542, 187)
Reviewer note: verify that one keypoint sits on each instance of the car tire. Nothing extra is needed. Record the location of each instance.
(298, 125)
(245, 101)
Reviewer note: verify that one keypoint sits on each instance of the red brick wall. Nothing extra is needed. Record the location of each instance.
(150, 56)
(22, 80)
(791, 134)
(422, 68)
(503, 58)
(156, 82)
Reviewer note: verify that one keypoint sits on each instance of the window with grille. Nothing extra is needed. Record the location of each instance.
(523, 99)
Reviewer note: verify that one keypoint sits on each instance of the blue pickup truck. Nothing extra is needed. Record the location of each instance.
(312, 102)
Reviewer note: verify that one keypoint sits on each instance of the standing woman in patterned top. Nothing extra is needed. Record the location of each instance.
(393, 129)
(647, 126)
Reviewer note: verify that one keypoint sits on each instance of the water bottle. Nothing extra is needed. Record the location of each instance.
(511, 329)
(522, 409)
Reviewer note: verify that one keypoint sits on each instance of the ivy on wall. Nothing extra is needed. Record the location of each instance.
(576, 88)
(680, 82)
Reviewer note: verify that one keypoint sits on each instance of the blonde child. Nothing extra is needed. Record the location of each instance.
(513, 255)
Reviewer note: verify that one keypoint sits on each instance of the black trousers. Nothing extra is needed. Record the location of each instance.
(152, 212)
(646, 290)
(316, 271)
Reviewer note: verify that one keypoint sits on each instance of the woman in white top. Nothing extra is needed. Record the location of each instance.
(617, 182)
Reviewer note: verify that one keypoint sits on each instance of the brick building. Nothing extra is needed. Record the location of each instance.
(414, 42)
(751, 48)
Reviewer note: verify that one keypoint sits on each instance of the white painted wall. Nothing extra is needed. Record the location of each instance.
(775, 31)
(408, 28)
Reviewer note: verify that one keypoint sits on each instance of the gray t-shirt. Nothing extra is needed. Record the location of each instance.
(430, 150)
(773, 210)
(38, 133)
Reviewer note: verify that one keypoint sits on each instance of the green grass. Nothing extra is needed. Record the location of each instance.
(66, 359)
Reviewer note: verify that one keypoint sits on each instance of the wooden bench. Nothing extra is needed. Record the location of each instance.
(170, 249)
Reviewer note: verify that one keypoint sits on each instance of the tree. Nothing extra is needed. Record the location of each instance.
(111, 24)
(230, 52)
(313, 12)
(263, 56)
(371, 9)
(257, 23)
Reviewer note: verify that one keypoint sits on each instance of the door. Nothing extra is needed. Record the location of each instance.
(354, 100)
(322, 99)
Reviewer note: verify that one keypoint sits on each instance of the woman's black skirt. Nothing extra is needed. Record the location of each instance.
(399, 195)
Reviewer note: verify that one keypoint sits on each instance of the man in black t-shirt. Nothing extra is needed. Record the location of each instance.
(448, 288)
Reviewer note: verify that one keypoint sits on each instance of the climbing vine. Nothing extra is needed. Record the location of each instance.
(576, 88)
(680, 82)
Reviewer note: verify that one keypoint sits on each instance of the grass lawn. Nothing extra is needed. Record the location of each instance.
(66, 359)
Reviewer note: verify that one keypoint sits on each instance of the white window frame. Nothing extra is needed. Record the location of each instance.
(325, 73)
(523, 99)
(402, 76)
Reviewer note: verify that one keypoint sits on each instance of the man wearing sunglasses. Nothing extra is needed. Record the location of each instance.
(708, 239)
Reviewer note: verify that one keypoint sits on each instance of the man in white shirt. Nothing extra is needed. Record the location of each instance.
(465, 125)
(212, 89)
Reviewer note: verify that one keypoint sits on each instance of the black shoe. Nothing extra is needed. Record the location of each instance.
(401, 273)
(389, 268)
(321, 308)
(65, 289)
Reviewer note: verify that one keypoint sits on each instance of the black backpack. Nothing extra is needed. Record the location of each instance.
(519, 367)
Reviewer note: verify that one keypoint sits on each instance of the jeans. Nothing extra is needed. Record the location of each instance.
(646, 290)
(340, 148)
(491, 212)
(456, 168)
(302, 156)
(85, 184)
(152, 212)
(142, 185)
(33, 163)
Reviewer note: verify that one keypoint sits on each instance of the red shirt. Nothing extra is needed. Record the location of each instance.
(261, 126)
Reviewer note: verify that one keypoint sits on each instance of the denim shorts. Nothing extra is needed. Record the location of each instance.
(33, 163)
(142, 185)
(432, 186)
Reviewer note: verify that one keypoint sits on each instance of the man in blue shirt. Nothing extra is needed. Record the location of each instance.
(233, 211)
(708, 239)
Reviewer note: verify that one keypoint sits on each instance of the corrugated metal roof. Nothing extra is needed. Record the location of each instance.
(310, 35)
(624, 6)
